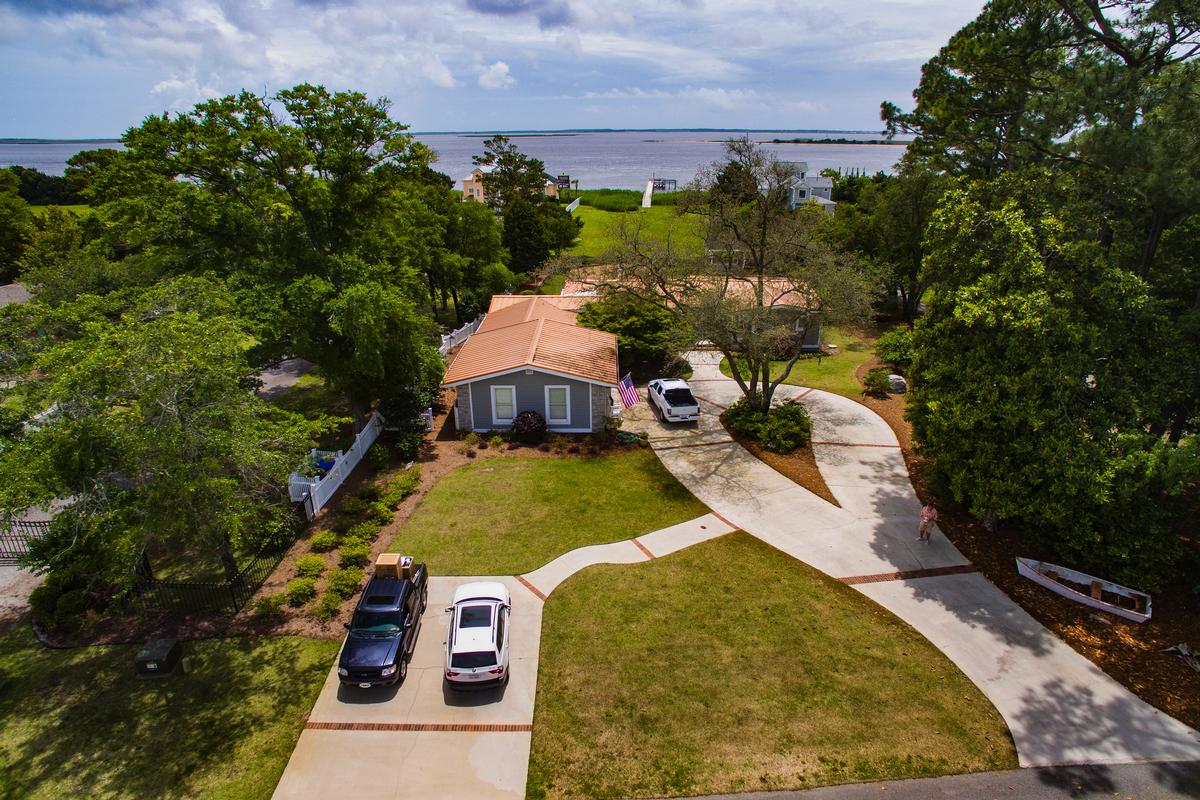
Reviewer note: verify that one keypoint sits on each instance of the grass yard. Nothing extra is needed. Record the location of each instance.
(77, 723)
(311, 397)
(599, 234)
(730, 667)
(506, 516)
(832, 374)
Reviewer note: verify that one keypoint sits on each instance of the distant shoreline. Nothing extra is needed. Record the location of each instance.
(557, 132)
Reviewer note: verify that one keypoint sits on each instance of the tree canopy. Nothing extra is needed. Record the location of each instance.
(1055, 378)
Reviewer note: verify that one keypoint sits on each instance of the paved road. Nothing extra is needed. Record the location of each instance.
(1161, 781)
(1060, 708)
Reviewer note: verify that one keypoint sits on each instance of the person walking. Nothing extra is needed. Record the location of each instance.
(929, 516)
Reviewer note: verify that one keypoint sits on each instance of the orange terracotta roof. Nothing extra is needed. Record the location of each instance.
(500, 301)
(536, 334)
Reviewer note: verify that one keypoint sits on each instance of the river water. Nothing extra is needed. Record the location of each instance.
(597, 159)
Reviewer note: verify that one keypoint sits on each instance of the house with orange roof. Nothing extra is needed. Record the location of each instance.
(529, 355)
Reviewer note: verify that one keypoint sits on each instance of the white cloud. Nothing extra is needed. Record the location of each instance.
(496, 77)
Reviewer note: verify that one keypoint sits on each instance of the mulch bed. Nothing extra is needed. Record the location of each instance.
(800, 466)
(1127, 651)
(443, 452)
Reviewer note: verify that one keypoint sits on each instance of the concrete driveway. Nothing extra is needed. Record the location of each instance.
(1060, 708)
(419, 739)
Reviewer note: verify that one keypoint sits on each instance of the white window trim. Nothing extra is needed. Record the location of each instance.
(497, 421)
(546, 393)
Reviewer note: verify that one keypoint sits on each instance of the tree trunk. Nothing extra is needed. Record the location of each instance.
(228, 562)
(458, 316)
(1158, 221)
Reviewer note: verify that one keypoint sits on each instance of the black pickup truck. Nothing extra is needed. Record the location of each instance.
(383, 630)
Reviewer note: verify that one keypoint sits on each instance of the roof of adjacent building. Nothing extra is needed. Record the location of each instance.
(536, 332)
(14, 293)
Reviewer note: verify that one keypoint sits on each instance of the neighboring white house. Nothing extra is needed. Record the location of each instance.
(806, 188)
(529, 355)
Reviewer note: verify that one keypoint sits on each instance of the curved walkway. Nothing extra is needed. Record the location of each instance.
(1060, 708)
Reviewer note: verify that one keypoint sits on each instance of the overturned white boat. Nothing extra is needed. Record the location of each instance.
(1088, 589)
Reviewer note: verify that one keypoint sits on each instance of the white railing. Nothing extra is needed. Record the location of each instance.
(574, 204)
(454, 339)
(316, 491)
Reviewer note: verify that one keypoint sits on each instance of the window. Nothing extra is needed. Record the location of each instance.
(558, 405)
(473, 660)
(500, 629)
(504, 404)
(475, 617)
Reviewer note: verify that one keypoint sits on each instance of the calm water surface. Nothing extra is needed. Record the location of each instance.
(597, 159)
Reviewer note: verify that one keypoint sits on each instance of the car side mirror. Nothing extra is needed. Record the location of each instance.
(346, 625)
(449, 609)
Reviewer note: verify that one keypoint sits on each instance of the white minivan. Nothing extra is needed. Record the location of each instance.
(477, 642)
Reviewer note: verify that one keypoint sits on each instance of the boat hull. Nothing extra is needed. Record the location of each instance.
(1035, 571)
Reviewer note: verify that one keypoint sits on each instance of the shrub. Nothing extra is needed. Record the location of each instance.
(365, 531)
(344, 582)
(742, 419)
(470, 454)
(573, 449)
(786, 427)
(529, 426)
(369, 492)
(354, 554)
(408, 445)
(269, 605)
(472, 439)
(559, 442)
(44, 599)
(377, 456)
(380, 513)
(300, 591)
(355, 506)
(876, 383)
(70, 608)
(483, 445)
(402, 486)
(896, 348)
(323, 541)
(310, 566)
(496, 441)
(341, 523)
(513, 445)
(327, 607)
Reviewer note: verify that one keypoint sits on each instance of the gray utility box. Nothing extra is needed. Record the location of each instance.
(158, 658)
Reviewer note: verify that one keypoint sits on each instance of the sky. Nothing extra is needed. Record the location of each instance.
(94, 68)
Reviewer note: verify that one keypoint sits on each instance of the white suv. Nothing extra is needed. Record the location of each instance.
(477, 643)
(672, 399)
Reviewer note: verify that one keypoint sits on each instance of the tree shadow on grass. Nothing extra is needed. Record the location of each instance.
(96, 725)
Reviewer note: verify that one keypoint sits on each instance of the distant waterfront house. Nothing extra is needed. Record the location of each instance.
(472, 185)
(806, 188)
(529, 355)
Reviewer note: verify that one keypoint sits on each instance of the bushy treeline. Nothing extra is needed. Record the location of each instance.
(1048, 218)
(308, 223)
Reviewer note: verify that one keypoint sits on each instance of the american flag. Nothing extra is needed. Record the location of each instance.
(629, 395)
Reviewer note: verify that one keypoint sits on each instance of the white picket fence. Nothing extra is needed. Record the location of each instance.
(453, 340)
(315, 492)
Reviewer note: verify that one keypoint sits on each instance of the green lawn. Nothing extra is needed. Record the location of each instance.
(600, 228)
(831, 374)
(79, 210)
(311, 396)
(77, 723)
(730, 667)
(553, 284)
(506, 516)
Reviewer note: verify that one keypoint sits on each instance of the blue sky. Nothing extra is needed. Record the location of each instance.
(92, 68)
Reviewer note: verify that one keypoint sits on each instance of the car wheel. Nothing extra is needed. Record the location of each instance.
(402, 670)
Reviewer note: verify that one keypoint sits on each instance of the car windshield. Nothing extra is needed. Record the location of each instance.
(680, 397)
(473, 660)
(373, 622)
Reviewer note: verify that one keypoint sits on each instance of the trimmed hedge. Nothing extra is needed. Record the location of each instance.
(786, 427)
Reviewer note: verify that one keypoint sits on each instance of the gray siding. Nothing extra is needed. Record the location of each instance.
(531, 396)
